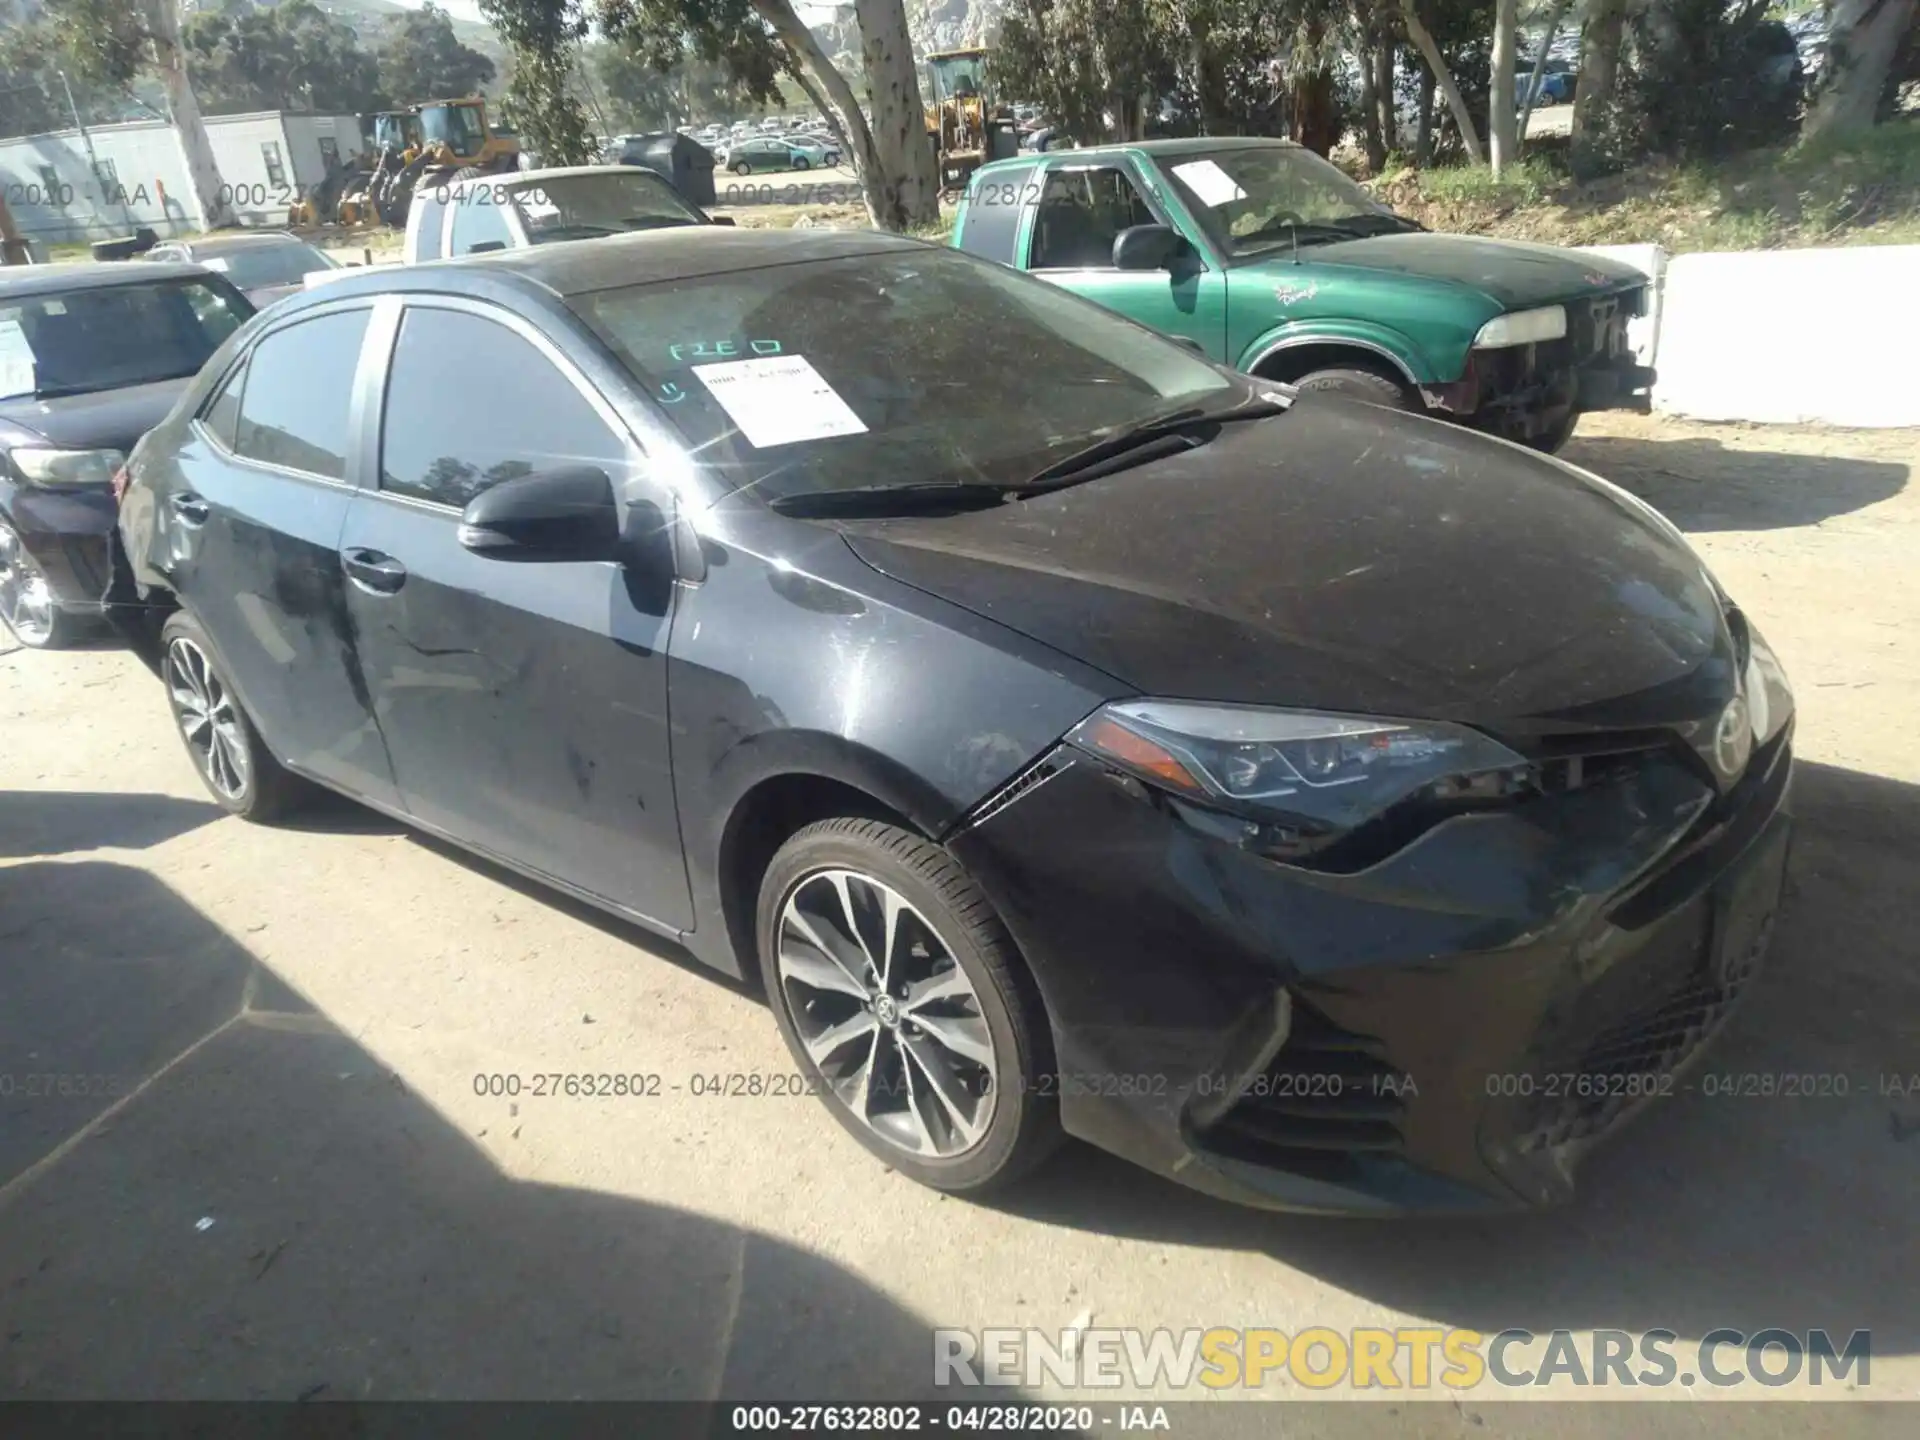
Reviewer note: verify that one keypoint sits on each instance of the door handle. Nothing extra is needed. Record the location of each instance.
(372, 571)
(191, 509)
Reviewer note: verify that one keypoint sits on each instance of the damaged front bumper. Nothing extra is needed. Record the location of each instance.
(1446, 1030)
(1532, 393)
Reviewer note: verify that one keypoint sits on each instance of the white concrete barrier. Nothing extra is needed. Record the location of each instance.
(1792, 336)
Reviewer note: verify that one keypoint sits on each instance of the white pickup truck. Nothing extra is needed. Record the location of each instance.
(536, 207)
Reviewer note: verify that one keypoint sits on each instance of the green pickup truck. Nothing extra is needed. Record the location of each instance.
(1267, 258)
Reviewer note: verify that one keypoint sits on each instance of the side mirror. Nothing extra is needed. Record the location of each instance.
(1149, 247)
(551, 515)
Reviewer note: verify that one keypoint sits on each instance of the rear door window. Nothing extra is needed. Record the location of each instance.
(223, 412)
(995, 204)
(517, 413)
(299, 391)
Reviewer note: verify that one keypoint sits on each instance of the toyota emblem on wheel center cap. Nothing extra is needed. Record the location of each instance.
(885, 1011)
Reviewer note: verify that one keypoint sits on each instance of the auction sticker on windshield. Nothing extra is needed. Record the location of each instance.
(1207, 180)
(779, 400)
(16, 360)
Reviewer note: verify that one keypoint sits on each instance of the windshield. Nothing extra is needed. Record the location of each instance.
(1254, 199)
(955, 75)
(582, 206)
(109, 337)
(889, 369)
(459, 126)
(253, 267)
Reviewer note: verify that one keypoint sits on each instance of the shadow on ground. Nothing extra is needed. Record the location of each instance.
(277, 1216)
(1740, 1212)
(1703, 485)
(48, 822)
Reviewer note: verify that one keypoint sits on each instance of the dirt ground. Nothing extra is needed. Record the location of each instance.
(276, 1176)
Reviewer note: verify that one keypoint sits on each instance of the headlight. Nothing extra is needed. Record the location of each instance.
(1314, 775)
(1523, 327)
(68, 469)
(1769, 696)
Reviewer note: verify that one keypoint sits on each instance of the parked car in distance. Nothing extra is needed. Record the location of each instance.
(91, 357)
(266, 265)
(818, 150)
(537, 207)
(1152, 722)
(1271, 260)
(752, 157)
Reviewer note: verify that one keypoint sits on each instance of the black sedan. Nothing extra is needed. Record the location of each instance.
(91, 356)
(1325, 807)
(268, 265)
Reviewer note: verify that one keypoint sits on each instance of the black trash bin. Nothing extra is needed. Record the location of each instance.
(681, 161)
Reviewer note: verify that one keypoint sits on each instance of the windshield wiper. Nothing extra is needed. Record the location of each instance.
(1303, 232)
(909, 499)
(1154, 439)
(1165, 434)
(1375, 224)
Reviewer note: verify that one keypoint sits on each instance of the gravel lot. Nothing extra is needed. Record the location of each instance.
(286, 1185)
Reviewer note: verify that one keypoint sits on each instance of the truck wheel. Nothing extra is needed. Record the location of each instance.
(1358, 384)
(1549, 441)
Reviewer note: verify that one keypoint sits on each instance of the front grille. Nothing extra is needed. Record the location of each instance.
(1327, 1097)
(1634, 1058)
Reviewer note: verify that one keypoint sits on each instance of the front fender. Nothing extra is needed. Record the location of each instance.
(1367, 335)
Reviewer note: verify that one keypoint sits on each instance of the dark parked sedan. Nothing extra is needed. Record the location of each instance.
(268, 266)
(90, 357)
(1325, 807)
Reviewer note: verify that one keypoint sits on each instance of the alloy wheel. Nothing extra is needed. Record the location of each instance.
(26, 600)
(887, 1013)
(208, 718)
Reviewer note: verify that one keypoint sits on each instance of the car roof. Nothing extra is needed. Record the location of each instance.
(215, 244)
(538, 177)
(1196, 145)
(92, 275)
(578, 267)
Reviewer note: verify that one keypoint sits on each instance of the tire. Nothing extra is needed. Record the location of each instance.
(1358, 384)
(1549, 442)
(465, 172)
(222, 743)
(27, 606)
(800, 162)
(740, 167)
(984, 1031)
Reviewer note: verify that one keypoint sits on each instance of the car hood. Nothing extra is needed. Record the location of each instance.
(102, 420)
(1342, 558)
(1511, 272)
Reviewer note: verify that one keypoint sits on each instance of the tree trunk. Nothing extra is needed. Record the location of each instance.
(899, 119)
(1316, 114)
(1423, 42)
(1862, 41)
(1371, 137)
(1540, 64)
(1383, 95)
(1423, 133)
(1502, 141)
(877, 189)
(210, 207)
(1593, 98)
(818, 100)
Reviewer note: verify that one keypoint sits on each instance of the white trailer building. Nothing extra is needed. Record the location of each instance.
(71, 186)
